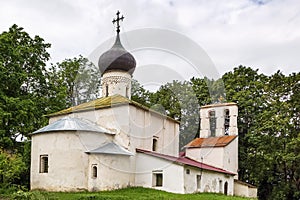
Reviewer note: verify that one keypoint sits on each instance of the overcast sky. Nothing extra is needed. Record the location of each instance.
(263, 34)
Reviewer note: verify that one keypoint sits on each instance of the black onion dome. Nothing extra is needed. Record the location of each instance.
(117, 58)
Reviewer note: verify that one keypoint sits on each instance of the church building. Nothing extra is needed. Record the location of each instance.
(114, 142)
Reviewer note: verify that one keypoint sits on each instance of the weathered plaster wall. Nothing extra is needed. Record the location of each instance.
(244, 190)
(230, 161)
(114, 172)
(66, 157)
(117, 82)
(135, 127)
(222, 157)
(210, 155)
(173, 180)
(211, 181)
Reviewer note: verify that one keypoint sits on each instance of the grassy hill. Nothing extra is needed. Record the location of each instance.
(137, 193)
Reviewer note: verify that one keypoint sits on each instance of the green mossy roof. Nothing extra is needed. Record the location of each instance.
(106, 102)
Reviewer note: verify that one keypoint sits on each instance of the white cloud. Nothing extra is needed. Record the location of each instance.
(260, 34)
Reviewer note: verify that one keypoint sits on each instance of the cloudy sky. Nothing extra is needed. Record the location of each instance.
(263, 34)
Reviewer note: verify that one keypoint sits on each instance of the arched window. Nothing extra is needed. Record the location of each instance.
(212, 123)
(94, 171)
(154, 144)
(226, 188)
(226, 121)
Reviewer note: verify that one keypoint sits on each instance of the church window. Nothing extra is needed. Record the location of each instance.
(158, 179)
(220, 186)
(187, 171)
(127, 92)
(226, 188)
(212, 123)
(154, 144)
(94, 171)
(226, 122)
(106, 90)
(44, 164)
(198, 179)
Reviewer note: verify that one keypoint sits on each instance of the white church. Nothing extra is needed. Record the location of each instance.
(114, 142)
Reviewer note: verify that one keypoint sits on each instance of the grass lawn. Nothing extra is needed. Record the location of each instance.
(125, 194)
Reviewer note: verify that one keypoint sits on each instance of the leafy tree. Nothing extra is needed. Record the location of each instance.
(22, 84)
(274, 138)
(11, 168)
(73, 81)
(139, 93)
(245, 86)
(178, 100)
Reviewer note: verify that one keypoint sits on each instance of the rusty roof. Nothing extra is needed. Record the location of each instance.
(185, 161)
(211, 141)
(106, 102)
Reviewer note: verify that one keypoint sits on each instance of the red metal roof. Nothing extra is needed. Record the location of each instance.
(185, 161)
(211, 141)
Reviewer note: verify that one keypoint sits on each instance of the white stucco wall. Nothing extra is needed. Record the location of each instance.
(230, 161)
(66, 158)
(117, 82)
(210, 155)
(210, 181)
(173, 178)
(244, 190)
(135, 127)
(113, 172)
(222, 157)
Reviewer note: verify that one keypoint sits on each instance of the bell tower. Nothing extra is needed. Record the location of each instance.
(218, 120)
(116, 66)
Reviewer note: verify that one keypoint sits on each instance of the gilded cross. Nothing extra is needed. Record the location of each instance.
(117, 20)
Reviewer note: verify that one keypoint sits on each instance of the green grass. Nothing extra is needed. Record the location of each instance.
(122, 194)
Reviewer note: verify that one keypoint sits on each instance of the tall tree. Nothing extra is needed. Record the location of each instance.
(179, 101)
(274, 138)
(23, 101)
(22, 84)
(74, 81)
(245, 86)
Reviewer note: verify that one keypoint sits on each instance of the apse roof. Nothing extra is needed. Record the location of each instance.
(185, 161)
(72, 124)
(211, 141)
(111, 148)
(106, 102)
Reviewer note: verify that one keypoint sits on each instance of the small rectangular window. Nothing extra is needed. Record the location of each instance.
(187, 171)
(198, 179)
(44, 164)
(157, 179)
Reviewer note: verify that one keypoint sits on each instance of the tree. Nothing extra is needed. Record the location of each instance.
(139, 93)
(22, 84)
(178, 100)
(73, 81)
(274, 138)
(245, 87)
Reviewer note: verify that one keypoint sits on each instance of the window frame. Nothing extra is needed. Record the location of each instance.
(157, 178)
(44, 164)
(94, 173)
(226, 121)
(212, 123)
